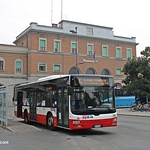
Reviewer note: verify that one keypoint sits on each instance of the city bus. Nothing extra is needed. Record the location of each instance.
(73, 102)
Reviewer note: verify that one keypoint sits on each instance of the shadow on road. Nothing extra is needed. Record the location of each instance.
(82, 133)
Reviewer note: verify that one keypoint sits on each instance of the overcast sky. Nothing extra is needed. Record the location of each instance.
(128, 18)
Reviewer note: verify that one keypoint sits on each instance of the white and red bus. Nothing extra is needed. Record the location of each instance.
(68, 101)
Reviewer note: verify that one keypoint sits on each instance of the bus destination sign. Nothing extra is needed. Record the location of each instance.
(94, 81)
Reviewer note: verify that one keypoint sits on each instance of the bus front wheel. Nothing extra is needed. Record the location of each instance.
(50, 122)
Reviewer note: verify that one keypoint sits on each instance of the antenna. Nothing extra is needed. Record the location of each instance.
(51, 12)
(61, 9)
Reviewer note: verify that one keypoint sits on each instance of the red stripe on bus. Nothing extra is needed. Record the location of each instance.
(88, 124)
(41, 119)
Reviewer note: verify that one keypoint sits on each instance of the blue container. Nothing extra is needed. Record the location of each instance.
(124, 101)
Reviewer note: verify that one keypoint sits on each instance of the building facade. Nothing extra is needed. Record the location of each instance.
(65, 48)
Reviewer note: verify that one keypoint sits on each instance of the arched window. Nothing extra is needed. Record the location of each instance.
(2, 64)
(105, 72)
(90, 71)
(74, 70)
(18, 66)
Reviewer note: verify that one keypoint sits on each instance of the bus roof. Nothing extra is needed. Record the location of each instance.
(52, 77)
(96, 75)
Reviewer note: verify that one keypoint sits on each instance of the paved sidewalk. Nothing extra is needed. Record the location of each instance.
(17, 124)
(126, 111)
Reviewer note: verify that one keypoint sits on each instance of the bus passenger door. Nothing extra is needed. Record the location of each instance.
(63, 107)
(19, 104)
(33, 106)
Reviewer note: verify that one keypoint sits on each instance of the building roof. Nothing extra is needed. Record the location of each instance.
(64, 27)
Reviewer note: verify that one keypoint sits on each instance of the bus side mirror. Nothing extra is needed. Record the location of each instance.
(70, 90)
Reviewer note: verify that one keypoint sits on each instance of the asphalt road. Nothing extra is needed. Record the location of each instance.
(132, 133)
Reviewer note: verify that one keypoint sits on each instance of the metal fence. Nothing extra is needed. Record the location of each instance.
(4, 102)
(3, 105)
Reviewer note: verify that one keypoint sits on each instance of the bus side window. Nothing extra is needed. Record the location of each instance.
(39, 99)
(53, 98)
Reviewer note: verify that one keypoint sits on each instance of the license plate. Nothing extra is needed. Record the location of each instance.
(97, 126)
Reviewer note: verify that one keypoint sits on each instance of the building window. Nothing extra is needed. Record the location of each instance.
(90, 71)
(118, 52)
(57, 68)
(42, 67)
(129, 53)
(74, 70)
(118, 72)
(18, 66)
(73, 47)
(90, 49)
(105, 72)
(105, 51)
(43, 43)
(57, 46)
(1, 64)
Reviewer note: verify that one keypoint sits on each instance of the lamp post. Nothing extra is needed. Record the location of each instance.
(75, 32)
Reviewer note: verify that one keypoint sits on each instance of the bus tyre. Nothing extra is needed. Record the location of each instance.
(25, 117)
(50, 122)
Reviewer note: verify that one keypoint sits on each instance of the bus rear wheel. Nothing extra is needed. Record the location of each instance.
(50, 122)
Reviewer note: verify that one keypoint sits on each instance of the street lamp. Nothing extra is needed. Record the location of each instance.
(75, 32)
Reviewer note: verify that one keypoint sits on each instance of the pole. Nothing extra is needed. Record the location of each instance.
(76, 51)
(61, 9)
(76, 63)
(51, 12)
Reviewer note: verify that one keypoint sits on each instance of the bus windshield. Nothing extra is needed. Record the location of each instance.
(92, 98)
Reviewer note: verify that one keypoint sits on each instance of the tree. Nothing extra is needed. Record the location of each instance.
(137, 71)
